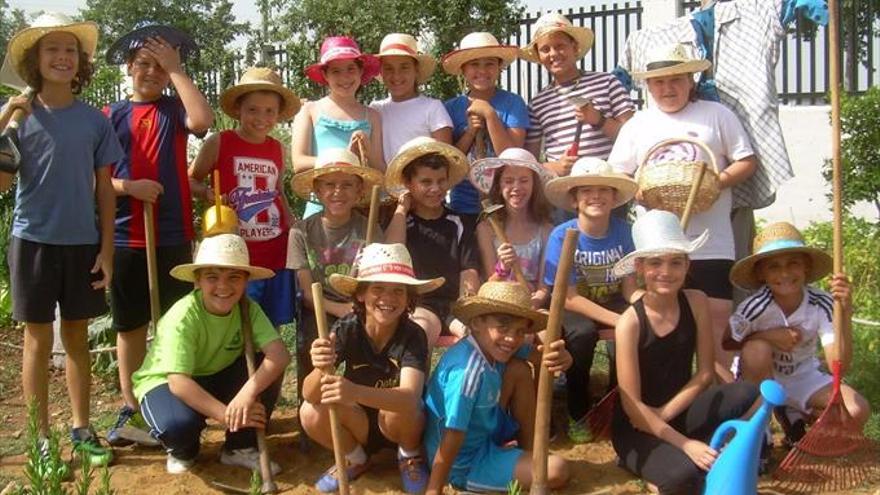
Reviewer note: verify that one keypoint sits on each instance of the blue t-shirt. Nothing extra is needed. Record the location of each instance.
(513, 113)
(594, 259)
(61, 149)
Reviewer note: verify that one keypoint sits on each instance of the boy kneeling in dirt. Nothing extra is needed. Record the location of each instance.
(481, 396)
(196, 369)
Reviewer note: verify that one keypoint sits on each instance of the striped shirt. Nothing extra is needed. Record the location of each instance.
(551, 116)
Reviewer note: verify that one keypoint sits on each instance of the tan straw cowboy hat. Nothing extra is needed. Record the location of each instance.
(334, 160)
(50, 22)
(669, 60)
(778, 238)
(554, 22)
(389, 263)
(509, 298)
(221, 251)
(657, 233)
(259, 79)
(405, 45)
(589, 171)
(419, 147)
(478, 45)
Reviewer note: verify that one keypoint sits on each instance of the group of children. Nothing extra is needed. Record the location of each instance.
(437, 268)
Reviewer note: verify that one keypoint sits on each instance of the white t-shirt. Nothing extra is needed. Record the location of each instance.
(813, 317)
(715, 125)
(404, 120)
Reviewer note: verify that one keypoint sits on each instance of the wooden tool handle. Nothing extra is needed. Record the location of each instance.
(373, 219)
(545, 378)
(361, 155)
(692, 195)
(502, 236)
(217, 194)
(335, 428)
(842, 345)
(17, 114)
(152, 269)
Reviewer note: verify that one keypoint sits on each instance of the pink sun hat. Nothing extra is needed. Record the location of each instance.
(342, 48)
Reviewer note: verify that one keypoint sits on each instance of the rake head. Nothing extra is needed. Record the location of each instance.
(599, 418)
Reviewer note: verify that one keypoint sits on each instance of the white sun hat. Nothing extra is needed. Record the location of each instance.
(589, 171)
(554, 22)
(221, 251)
(383, 263)
(482, 174)
(657, 233)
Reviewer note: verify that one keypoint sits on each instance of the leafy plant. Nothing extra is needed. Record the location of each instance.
(256, 483)
(513, 488)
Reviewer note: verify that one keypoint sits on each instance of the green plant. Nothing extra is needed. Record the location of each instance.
(256, 483)
(513, 488)
(104, 488)
(101, 335)
(86, 476)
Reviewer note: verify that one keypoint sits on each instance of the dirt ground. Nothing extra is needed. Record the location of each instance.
(139, 470)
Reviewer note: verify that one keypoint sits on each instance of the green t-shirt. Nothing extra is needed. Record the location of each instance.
(193, 342)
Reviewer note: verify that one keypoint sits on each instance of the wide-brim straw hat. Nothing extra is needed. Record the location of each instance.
(221, 251)
(482, 174)
(342, 48)
(405, 45)
(554, 22)
(390, 263)
(657, 233)
(416, 148)
(509, 298)
(333, 160)
(86, 33)
(589, 171)
(670, 60)
(774, 239)
(260, 79)
(478, 45)
(120, 51)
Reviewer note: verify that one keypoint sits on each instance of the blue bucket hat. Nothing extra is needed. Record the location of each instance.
(119, 52)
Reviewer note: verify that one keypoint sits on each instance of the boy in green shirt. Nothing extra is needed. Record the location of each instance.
(196, 369)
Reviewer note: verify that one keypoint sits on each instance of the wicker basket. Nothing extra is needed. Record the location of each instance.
(666, 185)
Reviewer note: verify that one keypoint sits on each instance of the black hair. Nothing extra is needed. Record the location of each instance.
(433, 161)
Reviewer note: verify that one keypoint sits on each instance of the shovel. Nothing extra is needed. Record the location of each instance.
(219, 219)
(10, 156)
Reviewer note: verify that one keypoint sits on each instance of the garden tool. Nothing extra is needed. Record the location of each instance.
(373, 218)
(577, 102)
(488, 211)
(10, 154)
(219, 219)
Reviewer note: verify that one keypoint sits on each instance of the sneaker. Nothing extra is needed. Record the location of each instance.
(328, 483)
(579, 431)
(85, 442)
(248, 458)
(175, 465)
(413, 473)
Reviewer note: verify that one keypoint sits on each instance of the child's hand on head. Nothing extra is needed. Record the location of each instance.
(337, 390)
(144, 190)
(244, 412)
(167, 56)
(557, 359)
(323, 353)
(841, 290)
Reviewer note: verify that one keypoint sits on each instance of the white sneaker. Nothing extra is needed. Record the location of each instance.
(178, 466)
(246, 458)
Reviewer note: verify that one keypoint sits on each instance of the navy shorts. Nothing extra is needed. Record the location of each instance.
(276, 296)
(711, 277)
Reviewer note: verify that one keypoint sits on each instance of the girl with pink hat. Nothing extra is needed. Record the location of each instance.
(338, 120)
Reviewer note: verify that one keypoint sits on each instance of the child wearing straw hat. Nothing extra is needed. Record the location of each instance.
(442, 241)
(666, 413)
(59, 253)
(328, 243)
(152, 128)
(406, 114)
(777, 329)
(482, 395)
(378, 399)
(486, 119)
(195, 368)
(251, 166)
(593, 102)
(596, 296)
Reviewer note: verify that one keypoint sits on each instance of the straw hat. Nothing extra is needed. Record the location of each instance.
(509, 298)
(119, 51)
(334, 160)
(418, 147)
(589, 171)
(482, 174)
(668, 60)
(405, 45)
(656, 233)
(50, 22)
(259, 79)
(778, 238)
(222, 251)
(384, 263)
(478, 45)
(342, 48)
(554, 22)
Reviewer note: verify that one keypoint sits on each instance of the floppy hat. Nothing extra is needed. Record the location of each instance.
(405, 45)
(656, 233)
(509, 298)
(778, 238)
(482, 174)
(416, 148)
(554, 22)
(668, 60)
(223, 251)
(384, 263)
(259, 79)
(334, 160)
(342, 48)
(478, 45)
(50, 22)
(589, 171)
(119, 51)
